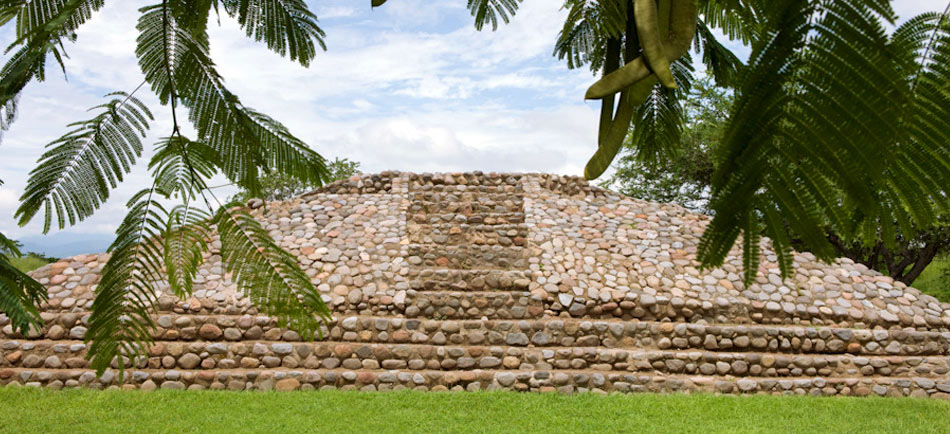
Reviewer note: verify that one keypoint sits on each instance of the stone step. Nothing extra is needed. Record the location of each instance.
(423, 180)
(465, 234)
(484, 189)
(473, 304)
(649, 307)
(467, 257)
(555, 332)
(464, 207)
(203, 355)
(429, 279)
(573, 381)
(488, 218)
(465, 196)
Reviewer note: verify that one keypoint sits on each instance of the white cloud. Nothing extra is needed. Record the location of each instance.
(410, 86)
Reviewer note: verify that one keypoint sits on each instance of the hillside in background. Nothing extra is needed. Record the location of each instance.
(64, 244)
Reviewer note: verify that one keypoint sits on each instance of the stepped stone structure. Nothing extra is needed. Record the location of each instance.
(528, 282)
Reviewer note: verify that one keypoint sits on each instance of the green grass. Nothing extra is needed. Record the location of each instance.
(934, 281)
(78, 411)
(28, 263)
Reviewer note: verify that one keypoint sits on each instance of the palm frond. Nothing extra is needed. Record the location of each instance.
(75, 176)
(288, 27)
(271, 277)
(492, 11)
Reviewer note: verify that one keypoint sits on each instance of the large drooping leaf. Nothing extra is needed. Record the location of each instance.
(120, 324)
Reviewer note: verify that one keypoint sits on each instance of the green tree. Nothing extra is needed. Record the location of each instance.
(685, 177)
(78, 171)
(278, 186)
(837, 123)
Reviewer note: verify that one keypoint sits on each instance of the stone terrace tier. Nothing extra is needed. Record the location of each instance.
(529, 282)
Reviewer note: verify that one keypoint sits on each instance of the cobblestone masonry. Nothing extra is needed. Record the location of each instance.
(528, 282)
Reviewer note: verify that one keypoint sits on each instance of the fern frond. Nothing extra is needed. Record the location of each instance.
(176, 63)
(658, 123)
(758, 110)
(181, 166)
(738, 19)
(288, 27)
(751, 248)
(42, 25)
(9, 10)
(838, 126)
(120, 323)
(587, 27)
(271, 277)
(719, 60)
(187, 235)
(75, 176)
(491, 11)
(19, 293)
(34, 15)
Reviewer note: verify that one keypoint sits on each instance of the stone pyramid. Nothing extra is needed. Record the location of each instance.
(529, 282)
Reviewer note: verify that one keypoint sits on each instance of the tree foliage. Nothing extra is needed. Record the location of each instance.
(277, 186)
(683, 176)
(838, 123)
(686, 179)
(160, 246)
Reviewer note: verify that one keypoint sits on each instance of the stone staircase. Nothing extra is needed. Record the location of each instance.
(467, 252)
(474, 317)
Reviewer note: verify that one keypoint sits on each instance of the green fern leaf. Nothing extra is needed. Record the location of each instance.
(75, 176)
(19, 293)
(176, 63)
(120, 324)
(186, 236)
(42, 25)
(492, 11)
(271, 277)
(286, 26)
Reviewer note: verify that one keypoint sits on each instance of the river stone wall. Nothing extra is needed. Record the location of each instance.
(528, 282)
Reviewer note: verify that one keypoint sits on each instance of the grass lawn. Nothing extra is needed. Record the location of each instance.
(932, 280)
(78, 411)
(28, 263)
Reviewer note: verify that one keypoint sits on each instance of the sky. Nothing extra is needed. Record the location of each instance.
(410, 86)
